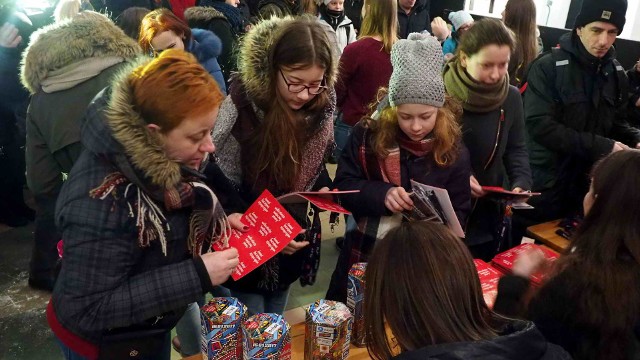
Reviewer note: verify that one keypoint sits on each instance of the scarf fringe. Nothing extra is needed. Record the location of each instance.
(201, 226)
(151, 222)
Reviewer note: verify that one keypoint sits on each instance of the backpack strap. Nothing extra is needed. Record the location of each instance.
(624, 88)
(561, 62)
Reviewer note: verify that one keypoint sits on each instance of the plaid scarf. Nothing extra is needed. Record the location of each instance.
(207, 224)
(390, 164)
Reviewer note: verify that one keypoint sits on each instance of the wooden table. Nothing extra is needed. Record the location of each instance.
(297, 347)
(546, 234)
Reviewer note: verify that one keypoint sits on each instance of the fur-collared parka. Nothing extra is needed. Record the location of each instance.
(109, 281)
(248, 101)
(208, 18)
(65, 65)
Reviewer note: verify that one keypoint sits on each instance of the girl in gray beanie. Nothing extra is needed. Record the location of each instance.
(413, 135)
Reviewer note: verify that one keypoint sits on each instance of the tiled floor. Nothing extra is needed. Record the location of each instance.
(24, 334)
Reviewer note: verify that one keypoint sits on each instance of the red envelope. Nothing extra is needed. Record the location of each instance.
(271, 228)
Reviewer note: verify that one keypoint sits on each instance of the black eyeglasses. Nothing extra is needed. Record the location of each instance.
(298, 88)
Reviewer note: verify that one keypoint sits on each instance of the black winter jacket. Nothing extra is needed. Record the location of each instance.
(369, 201)
(497, 148)
(417, 20)
(557, 310)
(574, 120)
(519, 340)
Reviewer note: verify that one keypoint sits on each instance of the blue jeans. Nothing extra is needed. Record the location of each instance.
(188, 328)
(270, 302)
(162, 354)
(341, 133)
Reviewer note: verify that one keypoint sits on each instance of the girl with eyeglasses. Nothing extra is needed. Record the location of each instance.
(274, 130)
(161, 29)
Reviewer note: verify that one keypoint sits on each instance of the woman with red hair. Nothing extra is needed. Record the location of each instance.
(135, 216)
(161, 30)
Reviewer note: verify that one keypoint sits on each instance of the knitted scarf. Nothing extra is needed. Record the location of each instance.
(208, 222)
(390, 164)
(475, 96)
(233, 15)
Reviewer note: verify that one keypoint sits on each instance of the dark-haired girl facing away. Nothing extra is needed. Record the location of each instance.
(591, 303)
(443, 315)
(274, 130)
(492, 129)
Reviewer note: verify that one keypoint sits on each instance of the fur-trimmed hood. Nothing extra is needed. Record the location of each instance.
(202, 14)
(58, 45)
(114, 127)
(254, 55)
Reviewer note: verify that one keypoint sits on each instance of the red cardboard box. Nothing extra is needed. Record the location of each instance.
(504, 261)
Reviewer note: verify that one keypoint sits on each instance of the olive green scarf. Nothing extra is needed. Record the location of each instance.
(475, 96)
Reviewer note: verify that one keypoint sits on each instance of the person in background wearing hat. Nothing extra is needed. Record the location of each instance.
(575, 111)
(332, 12)
(461, 21)
(493, 130)
(414, 134)
(413, 16)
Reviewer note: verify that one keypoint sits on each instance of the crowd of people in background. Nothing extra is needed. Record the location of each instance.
(144, 129)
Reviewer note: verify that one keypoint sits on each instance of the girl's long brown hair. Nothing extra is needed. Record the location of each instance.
(602, 265)
(520, 17)
(446, 132)
(422, 283)
(275, 147)
(381, 19)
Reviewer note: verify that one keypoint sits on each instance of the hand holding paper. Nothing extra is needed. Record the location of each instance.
(220, 264)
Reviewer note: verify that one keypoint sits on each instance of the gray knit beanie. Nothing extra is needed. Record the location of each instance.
(417, 71)
(611, 11)
(459, 18)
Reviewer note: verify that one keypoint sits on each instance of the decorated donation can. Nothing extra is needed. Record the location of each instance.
(355, 301)
(266, 336)
(221, 320)
(327, 330)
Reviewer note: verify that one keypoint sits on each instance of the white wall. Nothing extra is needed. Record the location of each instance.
(557, 15)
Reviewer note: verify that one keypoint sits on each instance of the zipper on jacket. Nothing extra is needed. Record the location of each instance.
(495, 146)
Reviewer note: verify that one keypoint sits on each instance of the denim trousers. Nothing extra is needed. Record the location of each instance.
(188, 328)
(265, 302)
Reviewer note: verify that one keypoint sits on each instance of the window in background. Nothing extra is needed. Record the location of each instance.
(554, 13)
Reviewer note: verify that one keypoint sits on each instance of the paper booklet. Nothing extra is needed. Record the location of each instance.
(518, 200)
(318, 199)
(432, 204)
(498, 191)
(271, 228)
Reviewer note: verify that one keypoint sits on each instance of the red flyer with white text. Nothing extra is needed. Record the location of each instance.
(504, 261)
(271, 228)
(489, 278)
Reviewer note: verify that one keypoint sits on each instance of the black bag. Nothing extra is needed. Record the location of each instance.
(141, 344)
